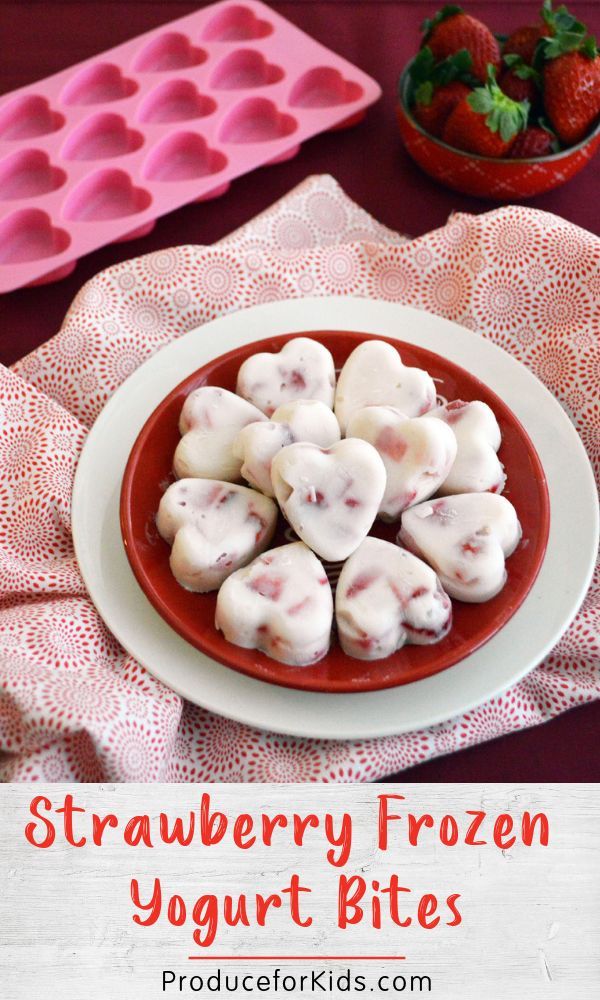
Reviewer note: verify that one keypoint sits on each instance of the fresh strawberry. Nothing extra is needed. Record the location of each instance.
(534, 141)
(438, 87)
(572, 93)
(487, 121)
(432, 116)
(571, 74)
(451, 30)
(523, 41)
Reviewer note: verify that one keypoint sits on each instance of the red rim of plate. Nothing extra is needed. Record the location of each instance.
(148, 472)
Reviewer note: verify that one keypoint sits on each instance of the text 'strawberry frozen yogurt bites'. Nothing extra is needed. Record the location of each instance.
(375, 375)
(303, 369)
(387, 597)
(213, 528)
(280, 604)
(476, 468)
(257, 444)
(211, 419)
(330, 496)
(417, 454)
(466, 539)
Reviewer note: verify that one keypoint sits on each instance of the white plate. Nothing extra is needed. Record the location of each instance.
(516, 649)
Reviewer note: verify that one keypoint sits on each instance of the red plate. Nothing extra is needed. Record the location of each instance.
(148, 473)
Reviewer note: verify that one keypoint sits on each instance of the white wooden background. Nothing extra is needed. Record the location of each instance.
(531, 917)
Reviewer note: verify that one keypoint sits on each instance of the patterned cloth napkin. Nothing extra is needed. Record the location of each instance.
(73, 705)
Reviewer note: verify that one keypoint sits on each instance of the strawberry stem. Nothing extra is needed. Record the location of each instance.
(502, 114)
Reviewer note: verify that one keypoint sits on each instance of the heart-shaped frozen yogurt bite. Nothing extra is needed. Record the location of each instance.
(303, 369)
(374, 375)
(387, 597)
(466, 539)
(257, 444)
(476, 468)
(330, 496)
(281, 604)
(213, 528)
(210, 421)
(417, 454)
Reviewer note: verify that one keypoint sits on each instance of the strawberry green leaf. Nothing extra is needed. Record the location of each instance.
(561, 20)
(503, 115)
(481, 101)
(513, 121)
(512, 59)
(424, 93)
(521, 69)
(565, 34)
(565, 41)
(422, 66)
(426, 75)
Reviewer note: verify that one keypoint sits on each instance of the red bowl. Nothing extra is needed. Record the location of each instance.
(483, 176)
(148, 473)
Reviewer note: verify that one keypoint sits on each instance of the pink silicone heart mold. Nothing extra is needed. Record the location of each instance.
(98, 84)
(324, 87)
(175, 101)
(168, 52)
(106, 194)
(183, 157)
(27, 235)
(256, 119)
(29, 173)
(29, 117)
(236, 24)
(244, 69)
(100, 137)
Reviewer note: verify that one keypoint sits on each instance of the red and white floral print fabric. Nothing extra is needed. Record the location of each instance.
(73, 705)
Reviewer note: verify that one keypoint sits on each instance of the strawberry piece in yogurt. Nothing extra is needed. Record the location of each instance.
(213, 528)
(329, 496)
(387, 597)
(210, 421)
(476, 468)
(303, 369)
(466, 539)
(281, 604)
(375, 375)
(417, 454)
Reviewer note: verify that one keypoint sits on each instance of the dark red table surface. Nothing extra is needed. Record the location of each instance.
(369, 162)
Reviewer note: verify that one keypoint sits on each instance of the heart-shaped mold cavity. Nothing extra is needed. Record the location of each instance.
(100, 137)
(183, 157)
(28, 117)
(256, 119)
(29, 235)
(323, 87)
(106, 194)
(236, 24)
(29, 173)
(168, 52)
(244, 69)
(175, 101)
(98, 84)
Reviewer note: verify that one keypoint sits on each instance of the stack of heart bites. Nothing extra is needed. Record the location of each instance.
(333, 460)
